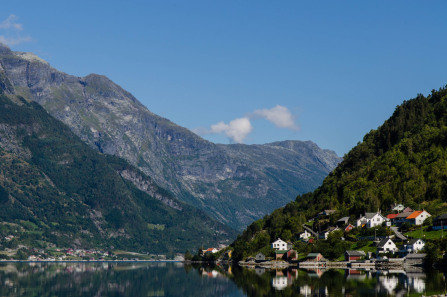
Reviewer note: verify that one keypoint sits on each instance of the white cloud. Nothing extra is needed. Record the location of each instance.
(279, 115)
(236, 130)
(10, 23)
(11, 41)
(10, 31)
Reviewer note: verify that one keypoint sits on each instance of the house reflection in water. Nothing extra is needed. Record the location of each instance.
(417, 284)
(284, 279)
(389, 283)
(211, 273)
(260, 270)
(416, 281)
(413, 282)
(307, 291)
(354, 274)
(280, 282)
(317, 273)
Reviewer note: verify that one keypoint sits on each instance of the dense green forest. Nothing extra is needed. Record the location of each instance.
(403, 161)
(55, 189)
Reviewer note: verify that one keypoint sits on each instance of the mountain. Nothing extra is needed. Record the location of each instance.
(234, 183)
(403, 161)
(55, 189)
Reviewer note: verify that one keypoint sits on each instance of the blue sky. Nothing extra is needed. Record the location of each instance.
(247, 71)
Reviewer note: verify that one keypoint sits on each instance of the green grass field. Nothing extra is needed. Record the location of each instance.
(438, 234)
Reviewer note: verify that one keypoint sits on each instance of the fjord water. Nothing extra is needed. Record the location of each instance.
(177, 279)
(112, 279)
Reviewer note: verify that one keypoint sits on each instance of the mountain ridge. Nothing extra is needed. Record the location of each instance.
(201, 173)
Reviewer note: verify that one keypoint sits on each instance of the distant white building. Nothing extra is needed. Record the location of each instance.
(305, 235)
(325, 234)
(414, 245)
(386, 245)
(281, 245)
(371, 220)
(398, 208)
(210, 250)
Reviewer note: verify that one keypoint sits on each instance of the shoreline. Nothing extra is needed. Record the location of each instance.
(89, 261)
(377, 265)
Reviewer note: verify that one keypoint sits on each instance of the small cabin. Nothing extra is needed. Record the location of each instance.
(354, 255)
(260, 257)
(314, 257)
(280, 254)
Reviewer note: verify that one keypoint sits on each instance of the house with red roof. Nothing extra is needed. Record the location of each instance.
(210, 250)
(418, 217)
(392, 217)
(349, 228)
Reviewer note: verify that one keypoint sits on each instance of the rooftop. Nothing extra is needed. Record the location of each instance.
(356, 253)
(414, 214)
(383, 242)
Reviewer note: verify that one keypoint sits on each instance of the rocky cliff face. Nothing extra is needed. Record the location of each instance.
(234, 183)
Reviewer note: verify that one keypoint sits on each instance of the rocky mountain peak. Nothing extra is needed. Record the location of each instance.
(234, 183)
(4, 49)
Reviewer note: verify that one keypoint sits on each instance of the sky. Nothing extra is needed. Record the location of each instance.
(247, 71)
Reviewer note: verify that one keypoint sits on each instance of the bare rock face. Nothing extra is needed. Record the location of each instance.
(234, 183)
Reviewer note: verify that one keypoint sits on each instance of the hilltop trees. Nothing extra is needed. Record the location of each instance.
(403, 161)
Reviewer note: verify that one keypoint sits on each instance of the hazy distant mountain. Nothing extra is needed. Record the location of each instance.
(55, 189)
(234, 183)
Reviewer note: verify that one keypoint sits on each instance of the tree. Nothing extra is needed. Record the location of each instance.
(432, 250)
(188, 255)
(286, 235)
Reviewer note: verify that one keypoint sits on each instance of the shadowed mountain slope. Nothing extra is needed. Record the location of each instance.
(55, 189)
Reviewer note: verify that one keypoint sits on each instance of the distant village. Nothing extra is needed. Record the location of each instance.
(78, 254)
(392, 250)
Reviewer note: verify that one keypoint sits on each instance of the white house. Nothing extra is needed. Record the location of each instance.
(418, 217)
(325, 234)
(210, 250)
(414, 246)
(371, 220)
(386, 245)
(398, 208)
(305, 235)
(279, 244)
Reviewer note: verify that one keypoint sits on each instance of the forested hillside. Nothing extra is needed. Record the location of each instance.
(403, 161)
(56, 190)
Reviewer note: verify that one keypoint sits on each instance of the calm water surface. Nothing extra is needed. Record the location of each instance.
(176, 279)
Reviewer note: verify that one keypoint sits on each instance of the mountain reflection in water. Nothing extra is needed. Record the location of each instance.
(177, 279)
(112, 279)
